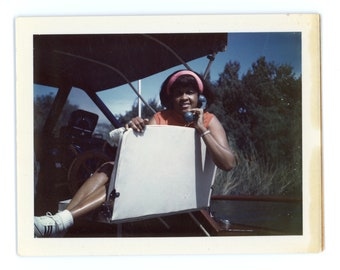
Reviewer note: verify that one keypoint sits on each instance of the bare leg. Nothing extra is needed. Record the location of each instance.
(57, 225)
(89, 203)
(90, 195)
(92, 184)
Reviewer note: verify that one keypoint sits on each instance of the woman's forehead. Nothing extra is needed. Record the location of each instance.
(185, 88)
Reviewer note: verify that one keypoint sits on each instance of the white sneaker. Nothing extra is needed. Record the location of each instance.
(48, 226)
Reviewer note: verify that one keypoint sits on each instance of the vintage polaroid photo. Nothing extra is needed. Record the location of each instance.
(109, 162)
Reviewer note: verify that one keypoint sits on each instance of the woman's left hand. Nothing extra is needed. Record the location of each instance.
(199, 119)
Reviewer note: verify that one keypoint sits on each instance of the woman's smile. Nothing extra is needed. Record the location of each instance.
(184, 106)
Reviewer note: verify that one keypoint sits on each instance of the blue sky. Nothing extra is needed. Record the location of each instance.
(246, 48)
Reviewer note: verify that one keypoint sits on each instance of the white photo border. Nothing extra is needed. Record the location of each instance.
(308, 24)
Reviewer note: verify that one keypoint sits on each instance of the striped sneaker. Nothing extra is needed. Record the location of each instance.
(48, 226)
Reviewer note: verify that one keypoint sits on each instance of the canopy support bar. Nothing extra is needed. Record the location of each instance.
(56, 108)
(211, 60)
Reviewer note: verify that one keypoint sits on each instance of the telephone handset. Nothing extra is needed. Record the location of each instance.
(189, 117)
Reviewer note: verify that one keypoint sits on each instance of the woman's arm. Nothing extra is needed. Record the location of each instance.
(216, 141)
(218, 145)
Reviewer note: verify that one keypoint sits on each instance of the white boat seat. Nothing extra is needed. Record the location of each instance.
(162, 171)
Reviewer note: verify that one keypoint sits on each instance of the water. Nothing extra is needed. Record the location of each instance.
(284, 217)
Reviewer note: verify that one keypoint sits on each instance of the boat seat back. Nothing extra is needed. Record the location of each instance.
(164, 170)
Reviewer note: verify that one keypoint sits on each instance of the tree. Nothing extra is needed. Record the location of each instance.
(231, 106)
(275, 108)
(146, 112)
(261, 113)
(42, 106)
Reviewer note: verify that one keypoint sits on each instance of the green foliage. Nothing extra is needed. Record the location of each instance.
(255, 176)
(145, 111)
(103, 129)
(261, 113)
(42, 107)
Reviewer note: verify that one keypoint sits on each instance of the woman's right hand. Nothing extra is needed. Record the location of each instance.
(138, 124)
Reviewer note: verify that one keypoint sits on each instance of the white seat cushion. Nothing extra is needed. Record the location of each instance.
(164, 170)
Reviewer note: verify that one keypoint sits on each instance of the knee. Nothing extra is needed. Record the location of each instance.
(106, 169)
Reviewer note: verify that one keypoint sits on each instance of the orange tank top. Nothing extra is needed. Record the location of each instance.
(168, 117)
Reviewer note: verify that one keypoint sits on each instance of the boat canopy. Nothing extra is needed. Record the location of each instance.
(96, 62)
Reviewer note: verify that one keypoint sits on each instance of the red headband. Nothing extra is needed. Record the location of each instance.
(181, 73)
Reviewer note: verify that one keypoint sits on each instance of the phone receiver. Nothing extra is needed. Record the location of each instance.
(189, 116)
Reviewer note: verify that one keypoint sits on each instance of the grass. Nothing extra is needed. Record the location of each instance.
(254, 176)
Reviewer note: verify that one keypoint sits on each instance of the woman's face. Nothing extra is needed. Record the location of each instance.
(185, 99)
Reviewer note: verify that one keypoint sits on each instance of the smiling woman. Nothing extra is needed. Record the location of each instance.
(180, 94)
(180, 91)
(72, 67)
